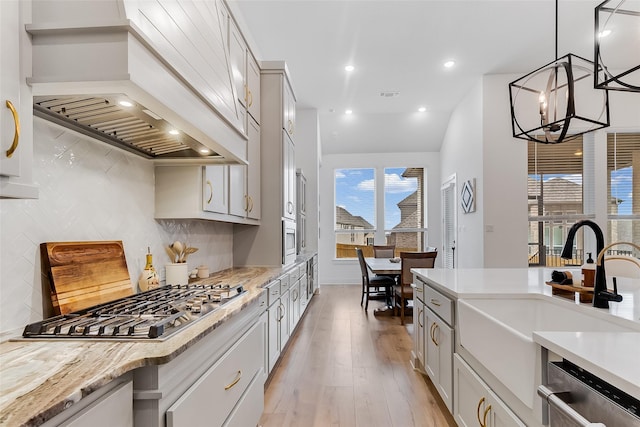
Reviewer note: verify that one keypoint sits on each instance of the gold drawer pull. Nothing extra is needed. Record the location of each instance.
(210, 188)
(16, 132)
(435, 302)
(484, 417)
(478, 411)
(238, 377)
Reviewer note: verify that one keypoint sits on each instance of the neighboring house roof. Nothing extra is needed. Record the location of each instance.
(412, 172)
(559, 190)
(556, 190)
(344, 217)
(410, 201)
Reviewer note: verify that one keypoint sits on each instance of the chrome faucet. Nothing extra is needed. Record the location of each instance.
(601, 296)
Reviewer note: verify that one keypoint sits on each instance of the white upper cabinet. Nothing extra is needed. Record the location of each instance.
(289, 113)
(246, 75)
(216, 189)
(16, 117)
(253, 87)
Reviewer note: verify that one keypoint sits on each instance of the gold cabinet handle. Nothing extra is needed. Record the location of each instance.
(435, 302)
(484, 417)
(420, 318)
(211, 189)
(290, 207)
(250, 203)
(480, 402)
(281, 312)
(290, 130)
(16, 127)
(234, 382)
(246, 203)
(433, 329)
(249, 98)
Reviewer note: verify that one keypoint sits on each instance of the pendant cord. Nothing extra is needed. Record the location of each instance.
(556, 29)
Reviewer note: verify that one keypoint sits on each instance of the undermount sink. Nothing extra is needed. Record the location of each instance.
(499, 334)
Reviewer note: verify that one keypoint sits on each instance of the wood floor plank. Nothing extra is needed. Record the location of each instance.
(346, 367)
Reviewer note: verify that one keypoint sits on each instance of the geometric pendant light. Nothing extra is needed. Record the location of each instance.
(557, 102)
(617, 25)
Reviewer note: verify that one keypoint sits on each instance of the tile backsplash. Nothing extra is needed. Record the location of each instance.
(89, 191)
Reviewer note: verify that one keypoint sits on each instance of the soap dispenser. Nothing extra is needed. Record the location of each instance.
(588, 272)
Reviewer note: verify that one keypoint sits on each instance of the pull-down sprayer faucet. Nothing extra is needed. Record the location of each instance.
(601, 296)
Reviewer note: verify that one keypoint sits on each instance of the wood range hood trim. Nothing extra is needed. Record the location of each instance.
(118, 59)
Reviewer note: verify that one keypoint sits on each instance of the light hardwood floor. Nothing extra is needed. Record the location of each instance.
(344, 367)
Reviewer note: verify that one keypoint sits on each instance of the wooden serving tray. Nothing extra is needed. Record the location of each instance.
(569, 291)
(84, 274)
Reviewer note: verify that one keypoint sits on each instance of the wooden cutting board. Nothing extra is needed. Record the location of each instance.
(84, 274)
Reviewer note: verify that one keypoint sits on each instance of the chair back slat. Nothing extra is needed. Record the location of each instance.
(380, 251)
(411, 260)
(363, 265)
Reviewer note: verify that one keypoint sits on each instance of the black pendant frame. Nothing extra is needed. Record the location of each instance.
(603, 77)
(572, 122)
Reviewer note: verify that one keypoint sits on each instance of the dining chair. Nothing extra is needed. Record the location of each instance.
(403, 292)
(374, 281)
(384, 251)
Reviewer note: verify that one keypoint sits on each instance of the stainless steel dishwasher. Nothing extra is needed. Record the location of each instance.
(575, 397)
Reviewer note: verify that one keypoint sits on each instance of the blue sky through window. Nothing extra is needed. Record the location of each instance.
(355, 192)
(621, 188)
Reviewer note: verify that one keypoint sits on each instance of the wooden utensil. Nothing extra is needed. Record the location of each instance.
(84, 274)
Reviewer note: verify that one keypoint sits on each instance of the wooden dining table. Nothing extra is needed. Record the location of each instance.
(384, 267)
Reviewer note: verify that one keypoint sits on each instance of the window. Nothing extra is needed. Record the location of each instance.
(623, 189)
(557, 198)
(403, 209)
(399, 203)
(355, 210)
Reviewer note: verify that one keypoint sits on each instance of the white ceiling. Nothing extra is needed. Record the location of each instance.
(401, 46)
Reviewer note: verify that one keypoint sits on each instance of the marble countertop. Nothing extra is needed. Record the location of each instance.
(39, 378)
(612, 356)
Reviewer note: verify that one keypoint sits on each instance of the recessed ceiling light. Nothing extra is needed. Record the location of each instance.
(205, 150)
(604, 33)
(449, 64)
(349, 68)
(422, 109)
(125, 103)
(349, 112)
(174, 132)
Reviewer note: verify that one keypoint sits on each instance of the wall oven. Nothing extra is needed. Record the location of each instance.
(288, 241)
(575, 397)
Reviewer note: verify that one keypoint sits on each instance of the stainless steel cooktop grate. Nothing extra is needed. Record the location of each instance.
(157, 313)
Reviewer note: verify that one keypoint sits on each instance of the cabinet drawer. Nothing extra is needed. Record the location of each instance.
(285, 282)
(439, 304)
(273, 292)
(222, 386)
(250, 407)
(263, 300)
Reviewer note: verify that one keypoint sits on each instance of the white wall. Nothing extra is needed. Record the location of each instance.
(504, 179)
(333, 271)
(89, 191)
(462, 154)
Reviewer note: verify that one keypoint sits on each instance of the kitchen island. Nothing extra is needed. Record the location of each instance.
(493, 305)
(40, 379)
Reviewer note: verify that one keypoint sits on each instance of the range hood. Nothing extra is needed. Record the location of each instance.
(121, 81)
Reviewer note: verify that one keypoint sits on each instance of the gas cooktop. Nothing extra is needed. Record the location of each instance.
(154, 314)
